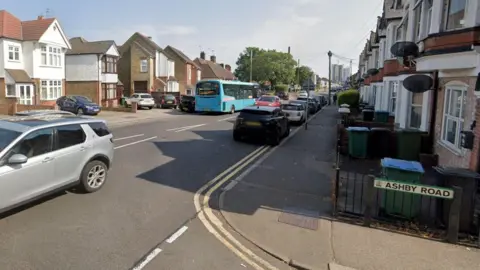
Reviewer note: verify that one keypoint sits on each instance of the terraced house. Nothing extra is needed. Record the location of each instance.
(430, 78)
(91, 70)
(32, 60)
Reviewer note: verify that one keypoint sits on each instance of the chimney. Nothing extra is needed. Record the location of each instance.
(213, 58)
(40, 17)
(228, 67)
(202, 55)
(288, 49)
(222, 65)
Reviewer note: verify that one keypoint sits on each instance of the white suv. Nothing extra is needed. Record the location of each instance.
(41, 154)
(302, 94)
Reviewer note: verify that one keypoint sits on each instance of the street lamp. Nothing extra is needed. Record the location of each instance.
(329, 76)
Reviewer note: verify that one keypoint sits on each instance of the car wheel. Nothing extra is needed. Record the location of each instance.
(274, 139)
(174, 107)
(237, 137)
(80, 111)
(150, 107)
(232, 109)
(287, 132)
(93, 176)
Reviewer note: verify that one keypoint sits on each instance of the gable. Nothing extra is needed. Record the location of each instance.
(113, 51)
(54, 35)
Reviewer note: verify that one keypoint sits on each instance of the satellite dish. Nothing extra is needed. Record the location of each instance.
(372, 71)
(418, 83)
(404, 49)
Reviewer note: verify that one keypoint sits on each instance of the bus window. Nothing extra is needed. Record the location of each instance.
(208, 88)
(248, 92)
(233, 90)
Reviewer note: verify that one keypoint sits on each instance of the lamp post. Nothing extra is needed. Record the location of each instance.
(329, 77)
(251, 64)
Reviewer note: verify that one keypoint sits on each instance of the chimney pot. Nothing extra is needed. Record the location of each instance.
(228, 67)
(202, 55)
(40, 17)
(213, 58)
(222, 65)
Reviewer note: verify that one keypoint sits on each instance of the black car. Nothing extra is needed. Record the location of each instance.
(261, 122)
(312, 107)
(187, 103)
(315, 102)
(282, 95)
(168, 102)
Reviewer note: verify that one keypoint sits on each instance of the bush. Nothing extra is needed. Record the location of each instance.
(350, 97)
(281, 87)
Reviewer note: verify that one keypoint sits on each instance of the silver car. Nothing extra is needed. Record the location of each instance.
(42, 154)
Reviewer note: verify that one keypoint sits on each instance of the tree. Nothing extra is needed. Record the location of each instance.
(268, 65)
(303, 73)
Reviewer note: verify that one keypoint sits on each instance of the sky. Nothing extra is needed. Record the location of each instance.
(221, 27)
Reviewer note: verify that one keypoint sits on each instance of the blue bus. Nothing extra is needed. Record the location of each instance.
(223, 96)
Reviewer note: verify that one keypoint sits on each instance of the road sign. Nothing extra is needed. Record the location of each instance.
(432, 191)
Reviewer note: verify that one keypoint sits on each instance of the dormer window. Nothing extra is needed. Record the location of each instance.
(13, 53)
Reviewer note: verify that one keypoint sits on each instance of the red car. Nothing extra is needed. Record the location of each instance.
(271, 101)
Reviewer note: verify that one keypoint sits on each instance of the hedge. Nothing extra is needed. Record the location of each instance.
(281, 87)
(350, 97)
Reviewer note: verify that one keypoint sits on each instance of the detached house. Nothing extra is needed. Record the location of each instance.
(32, 58)
(212, 70)
(91, 70)
(187, 72)
(145, 67)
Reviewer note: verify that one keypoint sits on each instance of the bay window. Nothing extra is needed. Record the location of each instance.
(109, 91)
(51, 56)
(453, 115)
(454, 16)
(109, 64)
(417, 12)
(50, 89)
(428, 16)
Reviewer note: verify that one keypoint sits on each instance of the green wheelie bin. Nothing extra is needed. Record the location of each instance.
(358, 141)
(409, 143)
(406, 205)
(381, 116)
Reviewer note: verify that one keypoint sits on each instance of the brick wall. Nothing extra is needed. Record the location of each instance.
(448, 157)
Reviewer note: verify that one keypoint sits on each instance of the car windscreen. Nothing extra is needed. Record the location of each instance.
(145, 96)
(290, 107)
(169, 97)
(7, 136)
(208, 88)
(83, 99)
(267, 99)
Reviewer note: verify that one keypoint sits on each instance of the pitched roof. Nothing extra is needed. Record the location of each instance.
(82, 46)
(181, 55)
(213, 70)
(12, 27)
(19, 75)
(146, 42)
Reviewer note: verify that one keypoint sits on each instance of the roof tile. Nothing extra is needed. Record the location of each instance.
(82, 46)
(12, 27)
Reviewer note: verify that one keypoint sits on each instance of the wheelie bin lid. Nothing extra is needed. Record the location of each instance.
(380, 111)
(406, 130)
(459, 172)
(404, 165)
(366, 110)
(365, 129)
(382, 129)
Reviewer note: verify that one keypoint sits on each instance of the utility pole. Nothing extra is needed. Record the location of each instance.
(298, 72)
(308, 100)
(251, 64)
(329, 77)
(350, 75)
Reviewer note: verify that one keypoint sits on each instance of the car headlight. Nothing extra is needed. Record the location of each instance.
(89, 107)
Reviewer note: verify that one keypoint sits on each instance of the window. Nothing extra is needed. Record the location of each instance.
(36, 143)
(398, 4)
(69, 135)
(109, 91)
(415, 120)
(10, 90)
(144, 65)
(13, 53)
(51, 56)
(455, 14)
(453, 115)
(109, 64)
(100, 129)
(189, 73)
(398, 33)
(393, 97)
(418, 23)
(428, 19)
(377, 59)
(50, 89)
(208, 88)
(7, 136)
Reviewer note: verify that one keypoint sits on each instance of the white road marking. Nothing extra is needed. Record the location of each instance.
(224, 119)
(129, 137)
(187, 128)
(148, 259)
(177, 234)
(136, 142)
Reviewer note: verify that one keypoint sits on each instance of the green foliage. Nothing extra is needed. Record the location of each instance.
(350, 97)
(303, 73)
(268, 65)
(281, 87)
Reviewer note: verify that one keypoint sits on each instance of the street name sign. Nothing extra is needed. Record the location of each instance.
(432, 191)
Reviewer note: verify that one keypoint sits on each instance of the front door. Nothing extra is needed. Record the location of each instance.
(26, 94)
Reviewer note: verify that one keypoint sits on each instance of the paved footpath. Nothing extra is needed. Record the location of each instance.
(283, 206)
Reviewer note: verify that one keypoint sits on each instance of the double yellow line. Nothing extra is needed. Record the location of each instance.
(214, 225)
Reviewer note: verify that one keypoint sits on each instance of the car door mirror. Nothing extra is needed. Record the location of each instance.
(17, 159)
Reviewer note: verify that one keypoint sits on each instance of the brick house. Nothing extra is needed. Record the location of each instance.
(32, 60)
(144, 67)
(212, 70)
(91, 70)
(187, 72)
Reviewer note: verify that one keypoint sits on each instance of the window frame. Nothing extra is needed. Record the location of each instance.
(109, 91)
(143, 65)
(51, 89)
(14, 52)
(56, 146)
(109, 64)
(411, 106)
(22, 138)
(52, 56)
(14, 90)
(417, 16)
(446, 11)
(459, 120)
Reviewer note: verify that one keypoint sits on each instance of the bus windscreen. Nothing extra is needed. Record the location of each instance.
(208, 88)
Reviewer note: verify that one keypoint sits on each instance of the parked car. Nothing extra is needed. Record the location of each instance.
(316, 104)
(44, 153)
(311, 106)
(272, 101)
(143, 100)
(168, 102)
(78, 104)
(294, 112)
(302, 94)
(269, 123)
(187, 103)
(282, 95)
(42, 112)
